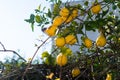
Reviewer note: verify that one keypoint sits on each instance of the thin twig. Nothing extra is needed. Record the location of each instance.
(5, 50)
(2, 46)
(14, 53)
(33, 58)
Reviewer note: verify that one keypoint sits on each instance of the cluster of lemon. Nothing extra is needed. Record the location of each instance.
(100, 41)
(69, 39)
(65, 16)
(75, 72)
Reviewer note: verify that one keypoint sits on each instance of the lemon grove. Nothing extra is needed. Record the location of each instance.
(95, 59)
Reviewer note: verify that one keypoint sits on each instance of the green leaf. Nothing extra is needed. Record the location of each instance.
(114, 7)
(37, 11)
(27, 20)
(86, 3)
(105, 12)
(49, 14)
(118, 5)
(32, 26)
(31, 20)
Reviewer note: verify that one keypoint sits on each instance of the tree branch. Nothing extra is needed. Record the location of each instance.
(5, 50)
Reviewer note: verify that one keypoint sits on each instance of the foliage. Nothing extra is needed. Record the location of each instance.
(96, 59)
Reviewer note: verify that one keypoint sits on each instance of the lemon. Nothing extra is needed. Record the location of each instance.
(96, 9)
(51, 30)
(109, 77)
(68, 52)
(87, 42)
(57, 79)
(70, 39)
(61, 59)
(75, 72)
(74, 13)
(57, 21)
(67, 19)
(64, 12)
(50, 76)
(101, 40)
(60, 41)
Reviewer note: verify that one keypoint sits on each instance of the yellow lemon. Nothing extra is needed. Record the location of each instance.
(74, 13)
(70, 39)
(60, 41)
(58, 20)
(50, 76)
(64, 12)
(75, 72)
(51, 31)
(57, 79)
(87, 42)
(61, 59)
(67, 19)
(101, 40)
(109, 77)
(96, 9)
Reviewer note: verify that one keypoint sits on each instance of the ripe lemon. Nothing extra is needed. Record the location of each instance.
(58, 20)
(70, 39)
(50, 76)
(67, 19)
(101, 40)
(51, 31)
(75, 72)
(57, 79)
(60, 42)
(64, 12)
(61, 59)
(109, 77)
(96, 9)
(74, 13)
(87, 42)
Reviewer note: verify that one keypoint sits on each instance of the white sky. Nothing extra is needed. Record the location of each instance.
(15, 33)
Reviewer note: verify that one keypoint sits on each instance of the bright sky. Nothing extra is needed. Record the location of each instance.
(15, 33)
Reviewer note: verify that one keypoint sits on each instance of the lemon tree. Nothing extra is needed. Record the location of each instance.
(70, 27)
